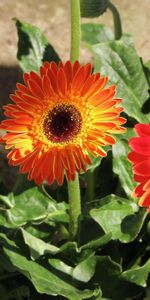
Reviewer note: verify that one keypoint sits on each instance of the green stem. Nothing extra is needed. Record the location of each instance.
(73, 186)
(117, 21)
(74, 207)
(75, 30)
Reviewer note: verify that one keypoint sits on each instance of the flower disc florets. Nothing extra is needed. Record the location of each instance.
(62, 123)
(58, 119)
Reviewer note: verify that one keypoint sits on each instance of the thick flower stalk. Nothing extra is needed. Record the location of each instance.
(58, 119)
(140, 159)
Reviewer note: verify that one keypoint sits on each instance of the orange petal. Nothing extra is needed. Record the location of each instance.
(145, 199)
(62, 82)
(87, 85)
(36, 78)
(75, 67)
(78, 80)
(46, 85)
(35, 89)
(104, 95)
(69, 72)
(96, 87)
(52, 79)
(23, 89)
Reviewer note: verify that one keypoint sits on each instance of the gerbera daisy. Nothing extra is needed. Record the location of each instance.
(58, 119)
(140, 158)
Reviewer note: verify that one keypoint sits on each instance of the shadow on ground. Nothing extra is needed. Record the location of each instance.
(9, 76)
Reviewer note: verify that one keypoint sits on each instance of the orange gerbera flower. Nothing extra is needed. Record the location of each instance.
(140, 158)
(58, 118)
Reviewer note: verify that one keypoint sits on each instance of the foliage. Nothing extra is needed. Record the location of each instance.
(110, 260)
(33, 47)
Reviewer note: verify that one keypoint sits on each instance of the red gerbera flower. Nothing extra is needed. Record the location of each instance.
(140, 158)
(58, 118)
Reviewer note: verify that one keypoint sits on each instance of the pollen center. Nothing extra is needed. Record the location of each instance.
(62, 123)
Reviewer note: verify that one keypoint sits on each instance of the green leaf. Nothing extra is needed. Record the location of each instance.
(106, 273)
(41, 231)
(69, 247)
(43, 279)
(147, 64)
(4, 262)
(122, 167)
(98, 243)
(138, 275)
(96, 33)
(129, 133)
(82, 272)
(37, 246)
(147, 71)
(61, 266)
(108, 276)
(119, 216)
(59, 214)
(33, 47)
(8, 200)
(85, 270)
(93, 8)
(32, 205)
(119, 61)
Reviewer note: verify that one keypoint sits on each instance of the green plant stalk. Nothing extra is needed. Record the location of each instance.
(75, 30)
(74, 207)
(117, 21)
(73, 186)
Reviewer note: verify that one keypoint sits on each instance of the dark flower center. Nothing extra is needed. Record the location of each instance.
(62, 123)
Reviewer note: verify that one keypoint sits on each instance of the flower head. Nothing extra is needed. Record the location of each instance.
(58, 119)
(140, 158)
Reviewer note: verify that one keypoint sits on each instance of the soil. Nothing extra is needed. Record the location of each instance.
(53, 19)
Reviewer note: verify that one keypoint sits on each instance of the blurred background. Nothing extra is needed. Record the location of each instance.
(53, 19)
